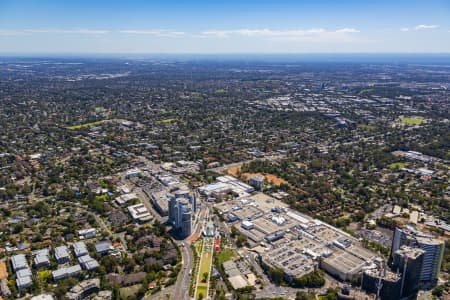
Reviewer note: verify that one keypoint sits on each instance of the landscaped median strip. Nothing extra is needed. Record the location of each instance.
(204, 269)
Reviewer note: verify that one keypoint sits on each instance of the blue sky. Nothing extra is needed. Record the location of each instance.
(342, 26)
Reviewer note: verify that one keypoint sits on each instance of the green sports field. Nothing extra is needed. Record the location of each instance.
(412, 120)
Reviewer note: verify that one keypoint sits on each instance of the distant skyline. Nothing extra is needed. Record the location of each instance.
(212, 27)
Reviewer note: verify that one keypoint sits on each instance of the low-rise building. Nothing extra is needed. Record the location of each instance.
(224, 185)
(247, 225)
(122, 199)
(41, 258)
(160, 201)
(87, 233)
(132, 173)
(103, 295)
(66, 272)
(24, 278)
(103, 247)
(84, 289)
(43, 297)
(139, 213)
(62, 255)
(88, 263)
(19, 262)
(80, 249)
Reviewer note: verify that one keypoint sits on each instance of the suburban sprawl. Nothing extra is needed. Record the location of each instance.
(195, 178)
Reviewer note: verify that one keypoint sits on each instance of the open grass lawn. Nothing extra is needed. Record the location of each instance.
(220, 91)
(398, 165)
(201, 290)
(205, 264)
(129, 291)
(412, 120)
(167, 121)
(86, 125)
(225, 255)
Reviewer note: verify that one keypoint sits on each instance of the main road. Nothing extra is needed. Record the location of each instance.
(181, 287)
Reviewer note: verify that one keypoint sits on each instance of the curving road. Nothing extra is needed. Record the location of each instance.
(181, 287)
(180, 290)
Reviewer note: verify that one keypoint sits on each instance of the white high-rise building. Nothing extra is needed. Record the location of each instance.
(181, 207)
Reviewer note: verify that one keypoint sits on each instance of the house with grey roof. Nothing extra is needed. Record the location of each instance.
(103, 247)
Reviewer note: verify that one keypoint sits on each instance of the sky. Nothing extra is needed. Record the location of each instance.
(220, 27)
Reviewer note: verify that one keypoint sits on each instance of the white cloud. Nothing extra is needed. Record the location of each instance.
(67, 31)
(422, 26)
(217, 33)
(155, 32)
(348, 30)
(269, 33)
(404, 29)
